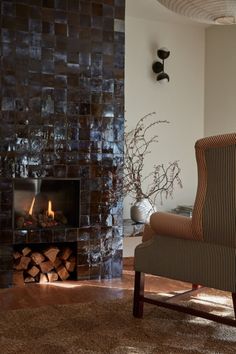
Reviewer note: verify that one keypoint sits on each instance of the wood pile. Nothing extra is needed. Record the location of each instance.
(48, 265)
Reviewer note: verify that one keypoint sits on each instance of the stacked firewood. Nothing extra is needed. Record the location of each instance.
(49, 265)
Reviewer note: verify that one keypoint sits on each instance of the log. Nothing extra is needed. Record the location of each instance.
(17, 255)
(52, 276)
(37, 257)
(57, 262)
(26, 251)
(51, 253)
(70, 264)
(65, 253)
(33, 271)
(22, 263)
(43, 278)
(18, 278)
(46, 266)
(62, 272)
(29, 280)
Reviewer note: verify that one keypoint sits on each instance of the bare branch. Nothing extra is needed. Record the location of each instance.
(162, 180)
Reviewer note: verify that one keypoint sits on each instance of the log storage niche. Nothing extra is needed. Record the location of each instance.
(44, 263)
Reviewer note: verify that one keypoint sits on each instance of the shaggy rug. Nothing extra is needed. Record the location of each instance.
(109, 327)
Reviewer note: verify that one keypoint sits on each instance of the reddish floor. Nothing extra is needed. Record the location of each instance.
(34, 295)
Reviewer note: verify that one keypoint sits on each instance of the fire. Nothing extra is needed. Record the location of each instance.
(32, 206)
(50, 212)
(40, 215)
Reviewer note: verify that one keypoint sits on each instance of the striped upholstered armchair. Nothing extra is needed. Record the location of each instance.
(200, 250)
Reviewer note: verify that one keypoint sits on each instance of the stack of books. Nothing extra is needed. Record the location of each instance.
(185, 210)
(132, 228)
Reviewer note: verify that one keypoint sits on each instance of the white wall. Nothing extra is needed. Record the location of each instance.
(220, 80)
(181, 101)
(129, 245)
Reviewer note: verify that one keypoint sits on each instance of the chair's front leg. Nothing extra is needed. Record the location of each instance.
(138, 293)
(234, 303)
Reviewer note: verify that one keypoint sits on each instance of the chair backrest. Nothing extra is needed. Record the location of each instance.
(214, 212)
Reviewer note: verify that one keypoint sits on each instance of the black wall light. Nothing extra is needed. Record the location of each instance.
(158, 67)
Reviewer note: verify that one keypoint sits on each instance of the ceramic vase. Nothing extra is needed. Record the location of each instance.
(141, 211)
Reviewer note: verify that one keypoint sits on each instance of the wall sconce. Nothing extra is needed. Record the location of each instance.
(158, 67)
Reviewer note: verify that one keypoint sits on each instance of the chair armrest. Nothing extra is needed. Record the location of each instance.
(168, 224)
(148, 233)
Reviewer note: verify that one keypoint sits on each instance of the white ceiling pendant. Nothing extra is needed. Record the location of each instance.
(222, 12)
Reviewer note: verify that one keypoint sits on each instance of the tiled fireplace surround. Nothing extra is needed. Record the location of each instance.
(62, 116)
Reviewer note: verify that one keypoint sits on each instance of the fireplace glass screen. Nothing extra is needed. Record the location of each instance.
(46, 203)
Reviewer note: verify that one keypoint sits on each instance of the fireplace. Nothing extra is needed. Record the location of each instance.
(62, 118)
(46, 203)
(43, 209)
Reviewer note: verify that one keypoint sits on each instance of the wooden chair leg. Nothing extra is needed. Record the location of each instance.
(138, 293)
(234, 303)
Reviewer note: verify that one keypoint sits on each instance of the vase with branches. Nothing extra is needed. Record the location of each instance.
(158, 183)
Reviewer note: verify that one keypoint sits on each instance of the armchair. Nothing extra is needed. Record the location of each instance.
(200, 250)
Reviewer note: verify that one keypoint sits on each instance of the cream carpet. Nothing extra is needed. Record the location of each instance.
(109, 327)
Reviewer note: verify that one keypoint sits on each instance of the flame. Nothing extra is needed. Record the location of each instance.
(50, 212)
(32, 206)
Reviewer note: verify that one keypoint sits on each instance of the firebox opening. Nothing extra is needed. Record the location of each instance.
(46, 203)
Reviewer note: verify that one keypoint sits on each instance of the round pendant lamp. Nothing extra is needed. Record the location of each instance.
(208, 11)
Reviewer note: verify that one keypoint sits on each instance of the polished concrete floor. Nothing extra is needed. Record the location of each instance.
(65, 292)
